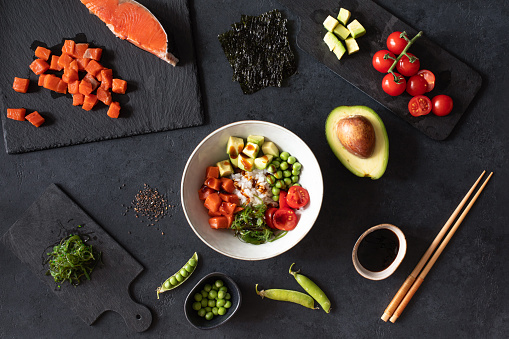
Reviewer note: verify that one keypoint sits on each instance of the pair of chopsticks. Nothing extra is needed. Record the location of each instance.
(415, 279)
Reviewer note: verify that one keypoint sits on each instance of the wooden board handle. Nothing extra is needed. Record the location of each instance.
(407, 299)
(137, 316)
(397, 298)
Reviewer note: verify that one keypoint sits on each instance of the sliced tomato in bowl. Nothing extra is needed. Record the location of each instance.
(269, 216)
(285, 219)
(297, 197)
(282, 199)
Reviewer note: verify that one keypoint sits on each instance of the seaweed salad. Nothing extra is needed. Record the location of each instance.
(259, 52)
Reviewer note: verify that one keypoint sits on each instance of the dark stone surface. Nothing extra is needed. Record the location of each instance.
(463, 296)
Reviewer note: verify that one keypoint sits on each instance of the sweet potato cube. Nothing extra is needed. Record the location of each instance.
(51, 82)
(77, 99)
(35, 119)
(42, 53)
(119, 86)
(106, 78)
(93, 53)
(54, 66)
(93, 67)
(104, 95)
(39, 66)
(16, 114)
(65, 60)
(68, 47)
(79, 50)
(20, 85)
(114, 110)
(89, 102)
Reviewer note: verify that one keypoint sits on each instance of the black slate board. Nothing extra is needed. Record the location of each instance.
(454, 77)
(53, 216)
(159, 97)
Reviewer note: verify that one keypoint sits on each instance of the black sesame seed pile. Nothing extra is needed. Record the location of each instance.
(149, 204)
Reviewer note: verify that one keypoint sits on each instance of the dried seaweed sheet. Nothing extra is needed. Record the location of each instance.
(259, 52)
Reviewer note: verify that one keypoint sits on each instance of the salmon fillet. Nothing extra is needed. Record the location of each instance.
(131, 21)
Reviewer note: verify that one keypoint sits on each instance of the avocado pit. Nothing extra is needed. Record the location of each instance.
(357, 135)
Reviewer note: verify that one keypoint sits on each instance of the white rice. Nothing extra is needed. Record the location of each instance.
(252, 187)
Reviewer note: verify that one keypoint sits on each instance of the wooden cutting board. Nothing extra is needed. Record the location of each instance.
(454, 77)
(159, 96)
(54, 216)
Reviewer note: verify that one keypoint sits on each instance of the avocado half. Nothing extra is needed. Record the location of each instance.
(374, 166)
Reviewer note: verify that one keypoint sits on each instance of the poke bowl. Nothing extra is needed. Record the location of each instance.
(212, 150)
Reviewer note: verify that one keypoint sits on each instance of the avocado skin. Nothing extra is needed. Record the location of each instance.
(381, 155)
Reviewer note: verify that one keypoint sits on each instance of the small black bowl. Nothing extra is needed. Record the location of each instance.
(202, 323)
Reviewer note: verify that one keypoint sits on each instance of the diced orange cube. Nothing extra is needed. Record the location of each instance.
(42, 53)
(82, 63)
(93, 67)
(16, 114)
(93, 53)
(114, 110)
(39, 66)
(65, 60)
(119, 86)
(51, 82)
(73, 87)
(68, 47)
(85, 87)
(70, 74)
(79, 50)
(41, 79)
(77, 99)
(20, 84)
(61, 87)
(104, 95)
(89, 102)
(35, 119)
(90, 78)
(106, 78)
(54, 63)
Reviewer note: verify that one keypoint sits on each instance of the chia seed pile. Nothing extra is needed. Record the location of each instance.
(149, 204)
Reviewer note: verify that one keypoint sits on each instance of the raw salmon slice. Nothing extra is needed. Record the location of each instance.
(128, 19)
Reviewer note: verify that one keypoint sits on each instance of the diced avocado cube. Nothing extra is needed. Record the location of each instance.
(330, 23)
(269, 148)
(356, 29)
(262, 162)
(351, 45)
(246, 163)
(234, 146)
(251, 150)
(234, 161)
(256, 139)
(339, 50)
(341, 31)
(344, 16)
(334, 44)
(225, 168)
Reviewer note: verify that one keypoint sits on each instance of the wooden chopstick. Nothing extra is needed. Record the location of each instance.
(433, 259)
(393, 305)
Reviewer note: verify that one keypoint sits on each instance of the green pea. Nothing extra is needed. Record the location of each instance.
(297, 184)
(192, 262)
(271, 168)
(215, 288)
(284, 156)
(173, 281)
(223, 288)
(204, 302)
(228, 304)
(288, 181)
(295, 178)
(189, 268)
(284, 166)
(279, 184)
(221, 295)
(221, 311)
(219, 283)
(213, 294)
(220, 303)
(214, 310)
(167, 284)
(275, 191)
(197, 306)
(295, 171)
(270, 179)
(179, 277)
(208, 309)
(204, 293)
(198, 297)
(287, 295)
(291, 160)
(209, 315)
(287, 174)
(207, 288)
(183, 273)
(201, 312)
(312, 289)
(228, 296)
(278, 175)
(275, 197)
(297, 166)
(276, 163)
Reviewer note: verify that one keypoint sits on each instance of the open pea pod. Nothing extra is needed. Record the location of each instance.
(180, 276)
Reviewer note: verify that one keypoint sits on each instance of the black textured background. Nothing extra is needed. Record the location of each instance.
(465, 294)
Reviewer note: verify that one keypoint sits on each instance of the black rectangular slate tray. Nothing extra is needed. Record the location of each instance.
(454, 77)
(54, 216)
(159, 96)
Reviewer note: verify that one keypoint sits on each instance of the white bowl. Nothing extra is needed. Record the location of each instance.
(213, 149)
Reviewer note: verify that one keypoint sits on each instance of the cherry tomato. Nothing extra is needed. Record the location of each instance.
(282, 199)
(442, 105)
(285, 219)
(416, 85)
(380, 64)
(391, 87)
(297, 197)
(395, 43)
(407, 68)
(419, 105)
(269, 216)
(429, 77)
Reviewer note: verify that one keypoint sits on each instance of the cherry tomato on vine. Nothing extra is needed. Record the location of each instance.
(395, 43)
(407, 68)
(416, 85)
(392, 87)
(442, 105)
(419, 105)
(429, 77)
(380, 64)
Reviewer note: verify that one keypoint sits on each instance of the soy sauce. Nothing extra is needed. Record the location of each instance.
(378, 250)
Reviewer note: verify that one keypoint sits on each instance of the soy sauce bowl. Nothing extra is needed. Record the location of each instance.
(218, 320)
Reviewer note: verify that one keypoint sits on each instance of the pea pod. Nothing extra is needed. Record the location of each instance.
(180, 276)
(287, 295)
(313, 290)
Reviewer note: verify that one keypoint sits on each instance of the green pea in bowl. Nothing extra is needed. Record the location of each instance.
(212, 150)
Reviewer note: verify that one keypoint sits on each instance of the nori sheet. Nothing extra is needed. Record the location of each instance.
(259, 52)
